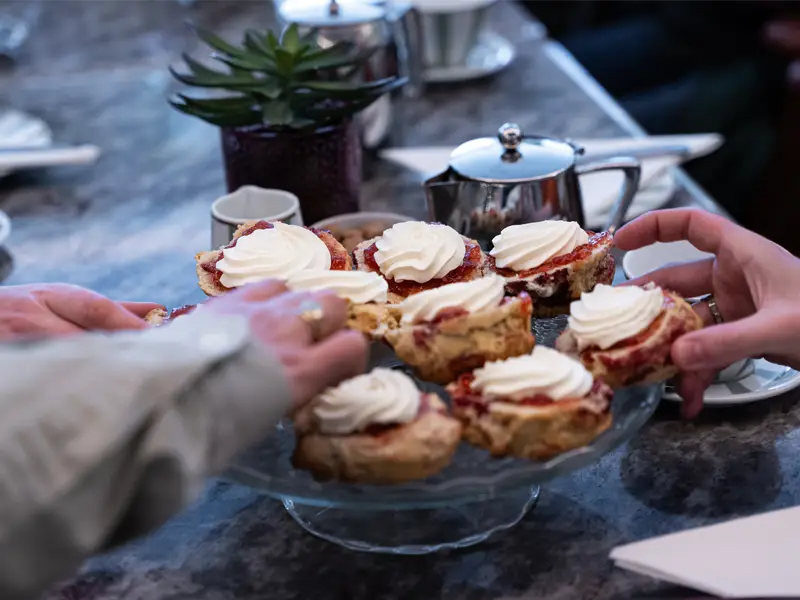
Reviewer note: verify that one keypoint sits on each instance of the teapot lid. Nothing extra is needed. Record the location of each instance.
(511, 157)
(327, 13)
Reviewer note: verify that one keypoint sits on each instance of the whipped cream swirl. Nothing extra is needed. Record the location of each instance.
(544, 372)
(417, 251)
(523, 247)
(272, 253)
(609, 315)
(381, 397)
(359, 287)
(472, 296)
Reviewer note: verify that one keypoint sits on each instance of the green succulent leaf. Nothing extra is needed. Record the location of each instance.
(272, 41)
(290, 40)
(278, 113)
(255, 42)
(220, 105)
(217, 43)
(284, 61)
(244, 64)
(229, 119)
(198, 68)
(217, 80)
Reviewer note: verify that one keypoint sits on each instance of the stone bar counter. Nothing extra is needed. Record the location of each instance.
(130, 225)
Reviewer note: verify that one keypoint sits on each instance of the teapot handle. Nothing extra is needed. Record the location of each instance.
(407, 29)
(631, 168)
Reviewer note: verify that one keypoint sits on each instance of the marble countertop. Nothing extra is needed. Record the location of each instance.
(130, 225)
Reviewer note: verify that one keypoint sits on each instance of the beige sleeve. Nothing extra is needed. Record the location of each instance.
(105, 437)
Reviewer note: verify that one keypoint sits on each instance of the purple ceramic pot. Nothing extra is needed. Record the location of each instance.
(322, 167)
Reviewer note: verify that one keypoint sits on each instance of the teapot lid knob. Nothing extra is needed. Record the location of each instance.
(510, 136)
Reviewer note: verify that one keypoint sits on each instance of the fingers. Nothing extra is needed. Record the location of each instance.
(140, 309)
(293, 304)
(691, 387)
(718, 346)
(702, 229)
(88, 310)
(333, 360)
(39, 327)
(688, 280)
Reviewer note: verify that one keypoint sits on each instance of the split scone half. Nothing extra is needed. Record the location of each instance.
(415, 256)
(366, 293)
(625, 334)
(534, 406)
(376, 428)
(450, 330)
(262, 250)
(554, 261)
(158, 316)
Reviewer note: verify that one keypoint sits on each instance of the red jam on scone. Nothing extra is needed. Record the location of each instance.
(262, 250)
(448, 330)
(554, 261)
(415, 256)
(625, 334)
(533, 406)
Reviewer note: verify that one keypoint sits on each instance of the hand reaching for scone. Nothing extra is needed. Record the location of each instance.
(755, 284)
(57, 309)
(310, 365)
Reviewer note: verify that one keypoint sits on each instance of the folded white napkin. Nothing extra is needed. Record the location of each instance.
(599, 189)
(754, 556)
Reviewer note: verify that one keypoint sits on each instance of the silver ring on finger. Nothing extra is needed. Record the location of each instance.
(714, 309)
(311, 312)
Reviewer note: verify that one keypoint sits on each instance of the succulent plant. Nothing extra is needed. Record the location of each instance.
(286, 83)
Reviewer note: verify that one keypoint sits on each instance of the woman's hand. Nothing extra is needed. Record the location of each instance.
(311, 365)
(56, 309)
(755, 282)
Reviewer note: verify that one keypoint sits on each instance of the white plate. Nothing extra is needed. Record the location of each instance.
(492, 54)
(765, 381)
(645, 260)
(22, 130)
(5, 227)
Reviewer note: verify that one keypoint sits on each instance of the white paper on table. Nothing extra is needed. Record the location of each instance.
(599, 190)
(750, 557)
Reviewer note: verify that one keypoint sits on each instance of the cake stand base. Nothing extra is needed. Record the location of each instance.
(414, 531)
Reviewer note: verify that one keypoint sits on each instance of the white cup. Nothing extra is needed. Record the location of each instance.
(251, 203)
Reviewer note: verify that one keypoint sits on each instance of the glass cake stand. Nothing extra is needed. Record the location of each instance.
(475, 497)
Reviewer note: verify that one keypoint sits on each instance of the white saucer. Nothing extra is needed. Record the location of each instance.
(491, 54)
(22, 130)
(764, 381)
(5, 227)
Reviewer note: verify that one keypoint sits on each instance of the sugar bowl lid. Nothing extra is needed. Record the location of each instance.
(329, 13)
(512, 157)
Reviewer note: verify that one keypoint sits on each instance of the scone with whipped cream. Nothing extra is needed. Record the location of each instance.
(625, 334)
(158, 316)
(415, 256)
(554, 261)
(534, 406)
(262, 250)
(365, 292)
(375, 428)
(449, 330)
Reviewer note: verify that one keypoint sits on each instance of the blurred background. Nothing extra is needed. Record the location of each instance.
(684, 67)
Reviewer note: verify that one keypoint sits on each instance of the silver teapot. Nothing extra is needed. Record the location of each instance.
(492, 183)
(387, 31)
